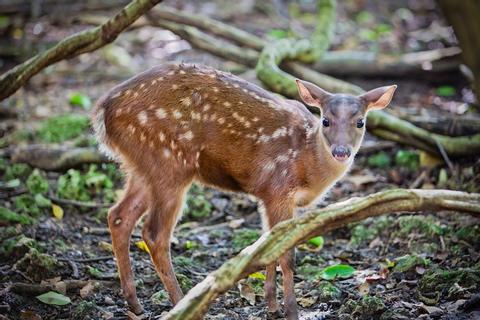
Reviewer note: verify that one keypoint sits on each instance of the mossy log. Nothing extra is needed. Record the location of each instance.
(287, 234)
(74, 45)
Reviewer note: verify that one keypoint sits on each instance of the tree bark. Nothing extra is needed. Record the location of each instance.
(84, 41)
(287, 234)
(464, 16)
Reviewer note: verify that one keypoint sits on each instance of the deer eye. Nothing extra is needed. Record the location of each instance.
(360, 123)
(325, 122)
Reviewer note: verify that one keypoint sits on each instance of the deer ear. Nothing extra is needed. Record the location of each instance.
(379, 98)
(311, 94)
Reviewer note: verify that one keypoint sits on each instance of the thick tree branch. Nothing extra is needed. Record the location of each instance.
(293, 232)
(84, 41)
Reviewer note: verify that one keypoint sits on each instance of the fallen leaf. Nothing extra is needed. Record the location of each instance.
(359, 180)
(364, 289)
(428, 160)
(142, 246)
(29, 315)
(87, 290)
(343, 271)
(433, 311)
(307, 302)
(54, 298)
(57, 211)
(61, 287)
(247, 292)
(106, 246)
(420, 269)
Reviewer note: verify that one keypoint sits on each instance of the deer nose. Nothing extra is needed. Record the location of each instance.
(341, 153)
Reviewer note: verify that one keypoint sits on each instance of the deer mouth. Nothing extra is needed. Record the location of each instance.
(341, 153)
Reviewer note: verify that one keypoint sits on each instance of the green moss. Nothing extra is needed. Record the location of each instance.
(425, 225)
(244, 237)
(38, 266)
(8, 216)
(328, 292)
(435, 281)
(470, 234)
(36, 182)
(197, 206)
(15, 247)
(365, 309)
(26, 204)
(368, 230)
(84, 309)
(310, 271)
(63, 127)
(408, 262)
(77, 186)
(184, 262)
(159, 297)
(17, 170)
(184, 282)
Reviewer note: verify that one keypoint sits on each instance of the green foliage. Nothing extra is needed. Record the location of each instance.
(407, 159)
(328, 292)
(15, 246)
(379, 160)
(182, 261)
(63, 127)
(77, 186)
(8, 216)
(445, 91)
(365, 309)
(26, 204)
(470, 234)
(440, 280)
(38, 265)
(54, 298)
(94, 272)
(197, 206)
(243, 238)
(78, 99)
(408, 262)
(184, 282)
(84, 309)
(368, 230)
(427, 226)
(278, 33)
(159, 297)
(17, 170)
(342, 271)
(36, 183)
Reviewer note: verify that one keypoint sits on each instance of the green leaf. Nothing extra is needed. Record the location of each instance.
(41, 201)
(407, 159)
(36, 182)
(78, 99)
(277, 33)
(379, 160)
(14, 183)
(317, 241)
(342, 271)
(446, 91)
(13, 217)
(54, 298)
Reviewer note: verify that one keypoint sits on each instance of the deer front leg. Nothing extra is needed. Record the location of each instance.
(121, 221)
(277, 212)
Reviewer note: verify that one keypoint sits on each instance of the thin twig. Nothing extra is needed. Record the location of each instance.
(79, 203)
(85, 260)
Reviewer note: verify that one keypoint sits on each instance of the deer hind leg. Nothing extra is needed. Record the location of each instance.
(167, 199)
(277, 212)
(121, 221)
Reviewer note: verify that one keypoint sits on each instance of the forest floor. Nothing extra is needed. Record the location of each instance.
(406, 266)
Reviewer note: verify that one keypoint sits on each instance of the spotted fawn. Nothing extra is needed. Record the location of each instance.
(175, 124)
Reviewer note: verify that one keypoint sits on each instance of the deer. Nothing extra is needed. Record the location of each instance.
(178, 123)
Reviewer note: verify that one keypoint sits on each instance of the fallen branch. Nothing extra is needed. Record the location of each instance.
(84, 41)
(287, 234)
(56, 157)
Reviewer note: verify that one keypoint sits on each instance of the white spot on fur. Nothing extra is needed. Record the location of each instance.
(161, 136)
(135, 94)
(182, 72)
(186, 101)
(281, 158)
(215, 89)
(173, 145)
(280, 132)
(213, 117)
(206, 107)
(142, 137)
(160, 113)
(264, 138)
(116, 95)
(127, 92)
(131, 129)
(142, 85)
(221, 120)
(177, 114)
(174, 87)
(255, 119)
(187, 135)
(195, 116)
(227, 104)
(154, 82)
(171, 73)
(167, 153)
(142, 117)
(269, 166)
